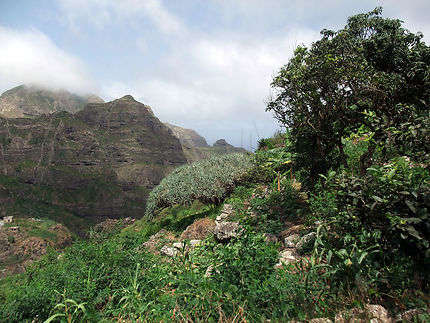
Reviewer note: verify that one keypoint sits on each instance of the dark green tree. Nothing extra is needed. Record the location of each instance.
(371, 78)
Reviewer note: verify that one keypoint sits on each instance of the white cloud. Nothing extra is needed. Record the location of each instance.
(31, 57)
(100, 13)
(216, 84)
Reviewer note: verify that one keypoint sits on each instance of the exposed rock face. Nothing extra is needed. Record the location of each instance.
(101, 161)
(188, 137)
(199, 230)
(195, 146)
(32, 101)
(224, 231)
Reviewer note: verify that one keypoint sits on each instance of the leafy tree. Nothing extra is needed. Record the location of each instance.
(372, 77)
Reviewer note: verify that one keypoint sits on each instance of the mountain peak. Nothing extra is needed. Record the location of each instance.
(33, 100)
(127, 97)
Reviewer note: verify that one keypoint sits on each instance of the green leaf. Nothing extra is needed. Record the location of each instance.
(411, 206)
(377, 199)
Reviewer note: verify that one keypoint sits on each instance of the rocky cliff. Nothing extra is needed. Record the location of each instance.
(188, 137)
(100, 162)
(32, 101)
(195, 146)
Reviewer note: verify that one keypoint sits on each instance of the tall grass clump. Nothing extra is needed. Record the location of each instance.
(208, 181)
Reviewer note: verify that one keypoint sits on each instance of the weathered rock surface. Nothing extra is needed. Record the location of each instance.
(199, 230)
(370, 313)
(286, 257)
(224, 231)
(195, 146)
(306, 242)
(33, 101)
(291, 241)
(188, 137)
(101, 161)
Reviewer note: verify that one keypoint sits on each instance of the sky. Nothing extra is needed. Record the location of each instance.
(200, 64)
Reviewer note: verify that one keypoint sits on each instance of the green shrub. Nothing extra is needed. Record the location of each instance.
(208, 181)
(370, 221)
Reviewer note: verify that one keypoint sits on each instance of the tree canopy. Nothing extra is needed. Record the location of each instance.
(370, 80)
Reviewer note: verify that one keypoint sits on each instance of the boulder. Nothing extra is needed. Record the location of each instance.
(291, 241)
(224, 231)
(168, 251)
(306, 243)
(199, 230)
(370, 313)
(270, 238)
(285, 257)
(409, 316)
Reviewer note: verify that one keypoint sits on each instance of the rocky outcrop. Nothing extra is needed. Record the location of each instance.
(188, 137)
(195, 146)
(33, 101)
(199, 230)
(101, 161)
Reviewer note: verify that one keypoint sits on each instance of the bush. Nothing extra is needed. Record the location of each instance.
(208, 181)
(373, 220)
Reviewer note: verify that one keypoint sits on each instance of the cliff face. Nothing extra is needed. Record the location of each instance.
(99, 162)
(188, 137)
(32, 101)
(195, 146)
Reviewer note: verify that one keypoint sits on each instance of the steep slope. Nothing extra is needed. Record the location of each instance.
(195, 146)
(188, 137)
(100, 162)
(32, 101)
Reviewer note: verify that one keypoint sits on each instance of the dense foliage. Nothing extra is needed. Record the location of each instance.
(208, 181)
(371, 79)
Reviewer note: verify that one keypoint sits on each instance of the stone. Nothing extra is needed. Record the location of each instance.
(370, 313)
(306, 243)
(222, 217)
(286, 257)
(199, 230)
(270, 238)
(321, 320)
(224, 231)
(179, 246)
(168, 251)
(195, 243)
(4, 245)
(292, 229)
(291, 241)
(409, 316)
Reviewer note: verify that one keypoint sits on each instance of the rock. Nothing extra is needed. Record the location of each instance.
(306, 243)
(293, 229)
(195, 243)
(155, 241)
(188, 137)
(222, 217)
(209, 270)
(107, 155)
(321, 320)
(4, 245)
(286, 257)
(409, 316)
(224, 231)
(199, 230)
(370, 313)
(291, 241)
(33, 247)
(179, 246)
(270, 238)
(168, 251)
(228, 209)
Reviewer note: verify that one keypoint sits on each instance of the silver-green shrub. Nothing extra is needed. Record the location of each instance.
(208, 181)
